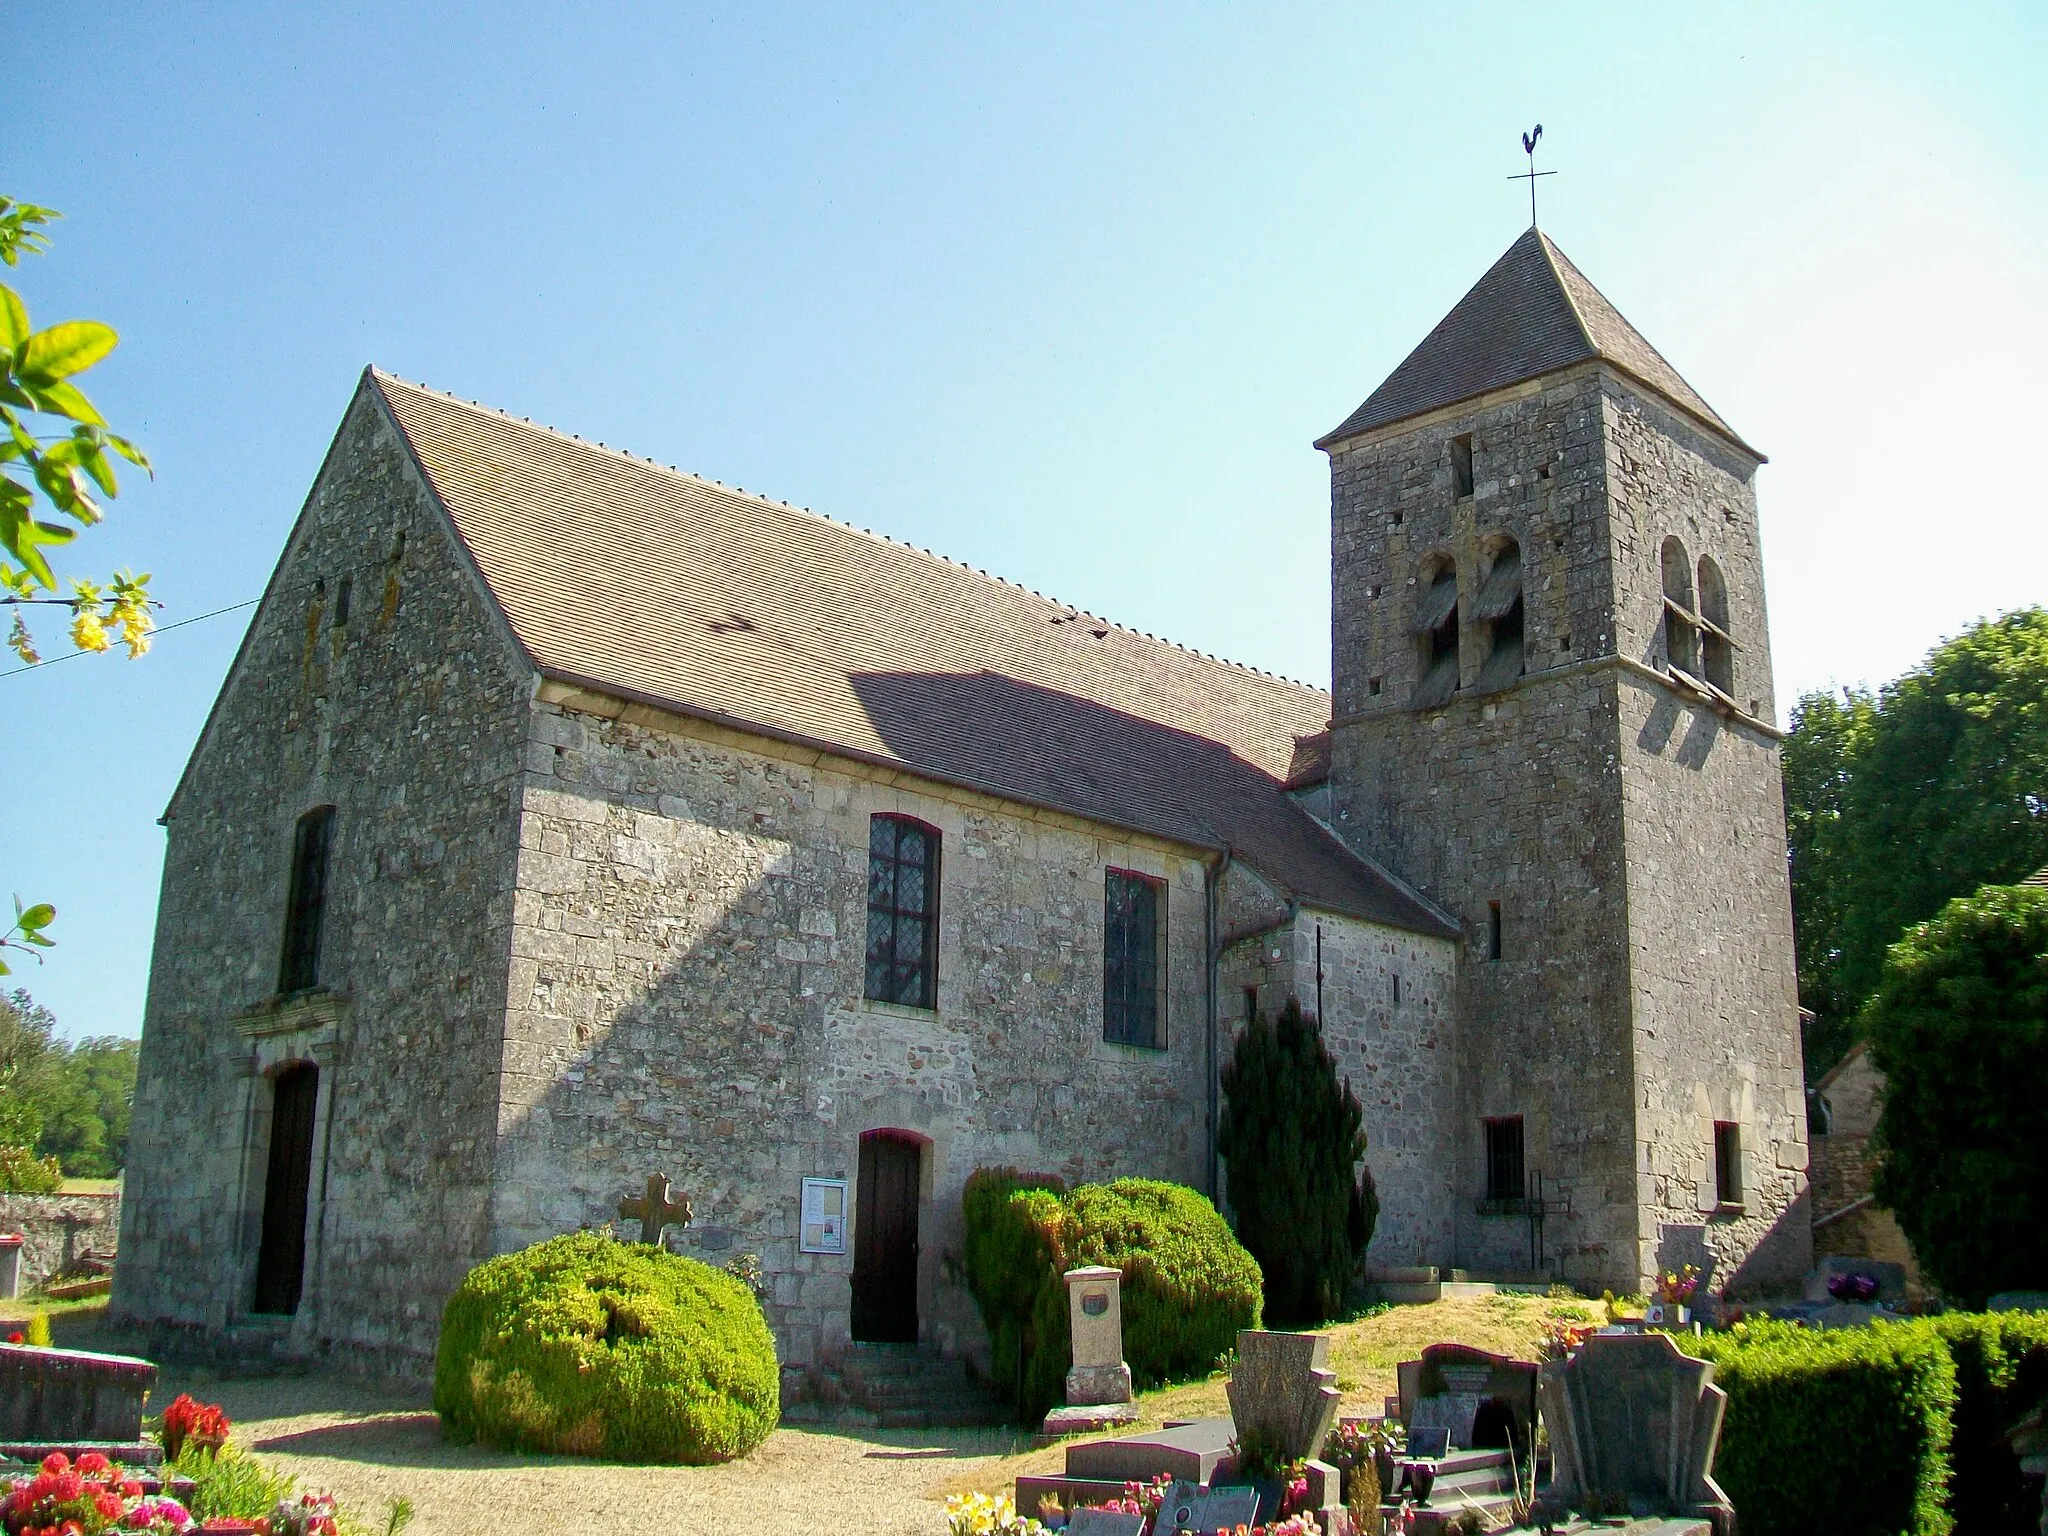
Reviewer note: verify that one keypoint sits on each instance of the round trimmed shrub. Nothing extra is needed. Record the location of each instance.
(587, 1346)
(1188, 1284)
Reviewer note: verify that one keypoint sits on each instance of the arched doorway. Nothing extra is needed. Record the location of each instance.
(885, 1237)
(281, 1260)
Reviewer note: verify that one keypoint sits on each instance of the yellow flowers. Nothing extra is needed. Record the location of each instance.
(123, 607)
(987, 1514)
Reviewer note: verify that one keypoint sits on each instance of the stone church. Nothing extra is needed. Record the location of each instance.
(565, 820)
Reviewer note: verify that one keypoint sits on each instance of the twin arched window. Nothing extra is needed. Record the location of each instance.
(1696, 638)
(1497, 606)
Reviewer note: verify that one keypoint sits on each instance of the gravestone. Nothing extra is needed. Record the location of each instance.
(1190, 1453)
(1283, 1391)
(1635, 1422)
(1104, 1522)
(1482, 1398)
(2029, 1442)
(11, 1244)
(655, 1209)
(72, 1400)
(1187, 1507)
(1284, 1395)
(2018, 1301)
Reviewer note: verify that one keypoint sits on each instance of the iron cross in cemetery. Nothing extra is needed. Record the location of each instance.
(655, 1210)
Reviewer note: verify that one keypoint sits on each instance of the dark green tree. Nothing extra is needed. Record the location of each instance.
(67, 1101)
(1292, 1140)
(26, 1028)
(1959, 1027)
(1895, 805)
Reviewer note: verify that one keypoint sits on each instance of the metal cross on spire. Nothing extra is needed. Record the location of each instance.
(1530, 175)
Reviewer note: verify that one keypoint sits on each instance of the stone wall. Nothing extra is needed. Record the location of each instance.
(1636, 882)
(686, 998)
(1709, 898)
(61, 1229)
(408, 718)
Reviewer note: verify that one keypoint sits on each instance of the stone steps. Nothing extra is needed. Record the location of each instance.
(908, 1387)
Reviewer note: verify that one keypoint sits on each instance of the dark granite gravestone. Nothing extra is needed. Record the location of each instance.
(1634, 1421)
(1188, 1508)
(1104, 1522)
(1504, 1390)
(1190, 1453)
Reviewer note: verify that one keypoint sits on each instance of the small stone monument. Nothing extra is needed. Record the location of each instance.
(1099, 1383)
(1633, 1421)
(656, 1210)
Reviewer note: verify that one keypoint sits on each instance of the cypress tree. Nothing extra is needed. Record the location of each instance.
(1292, 1140)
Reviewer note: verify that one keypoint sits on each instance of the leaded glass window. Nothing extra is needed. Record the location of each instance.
(1133, 969)
(903, 912)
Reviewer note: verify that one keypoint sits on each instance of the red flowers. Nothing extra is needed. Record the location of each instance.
(187, 1419)
(17, 1337)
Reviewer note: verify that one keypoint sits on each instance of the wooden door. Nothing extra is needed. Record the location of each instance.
(281, 1261)
(885, 1238)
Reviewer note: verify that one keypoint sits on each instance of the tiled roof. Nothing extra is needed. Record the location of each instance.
(656, 586)
(1531, 314)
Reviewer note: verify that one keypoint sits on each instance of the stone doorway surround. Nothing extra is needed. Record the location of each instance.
(281, 1033)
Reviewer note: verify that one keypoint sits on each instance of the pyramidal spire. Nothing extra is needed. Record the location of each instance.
(1531, 314)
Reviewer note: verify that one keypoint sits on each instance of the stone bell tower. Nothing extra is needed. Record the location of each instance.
(1553, 707)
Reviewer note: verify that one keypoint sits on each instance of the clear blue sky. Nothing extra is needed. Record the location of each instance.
(1061, 291)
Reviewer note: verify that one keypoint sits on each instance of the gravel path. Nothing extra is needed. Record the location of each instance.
(369, 1447)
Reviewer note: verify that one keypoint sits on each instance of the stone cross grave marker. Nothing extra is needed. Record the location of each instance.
(655, 1209)
(1095, 1318)
(1632, 1419)
(1283, 1391)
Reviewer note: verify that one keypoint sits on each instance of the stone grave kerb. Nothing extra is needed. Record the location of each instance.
(1634, 1419)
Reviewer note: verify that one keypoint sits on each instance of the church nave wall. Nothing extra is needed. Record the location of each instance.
(687, 998)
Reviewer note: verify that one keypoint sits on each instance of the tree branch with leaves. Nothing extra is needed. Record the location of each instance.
(68, 468)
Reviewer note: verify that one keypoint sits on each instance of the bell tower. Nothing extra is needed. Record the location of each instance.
(1553, 715)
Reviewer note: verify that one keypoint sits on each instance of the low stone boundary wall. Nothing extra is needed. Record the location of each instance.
(61, 1229)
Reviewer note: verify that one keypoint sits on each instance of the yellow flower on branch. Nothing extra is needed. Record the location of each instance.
(88, 632)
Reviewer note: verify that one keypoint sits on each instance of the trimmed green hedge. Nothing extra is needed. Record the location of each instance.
(1188, 1284)
(2001, 1373)
(587, 1346)
(1844, 1430)
(1897, 1429)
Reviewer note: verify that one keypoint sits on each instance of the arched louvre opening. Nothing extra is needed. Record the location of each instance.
(1499, 606)
(1681, 623)
(1717, 645)
(1436, 632)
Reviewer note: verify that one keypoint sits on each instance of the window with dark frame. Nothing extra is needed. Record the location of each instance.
(1727, 1162)
(903, 912)
(1504, 1173)
(1133, 968)
(298, 967)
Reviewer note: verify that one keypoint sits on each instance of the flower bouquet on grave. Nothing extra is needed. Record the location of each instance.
(1852, 1287)
(82, 1499)
(1675, 1291)
(988, 1514)
(1561, 1336)
(203, 1426)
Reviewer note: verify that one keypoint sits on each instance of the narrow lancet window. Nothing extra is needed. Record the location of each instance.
(299, 968)
(903, 912)
(1499, 607)
(1717, 645)
(1133, 960)
(1436, 632)
(1681, 623)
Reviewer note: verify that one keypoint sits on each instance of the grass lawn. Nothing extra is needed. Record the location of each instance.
(71, 1322)
(1363, 1352)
